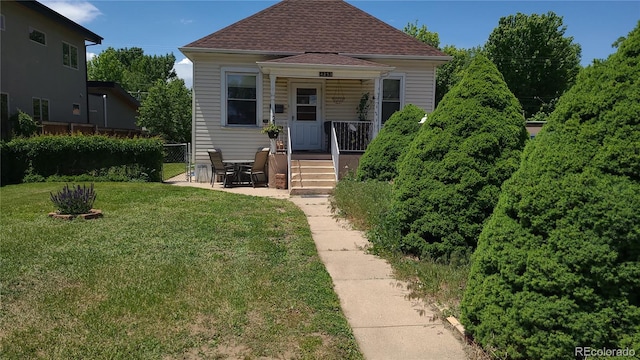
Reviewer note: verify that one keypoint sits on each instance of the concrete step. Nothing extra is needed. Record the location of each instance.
(315, 163)
(313, 183)
(328, 190)
(313, 175)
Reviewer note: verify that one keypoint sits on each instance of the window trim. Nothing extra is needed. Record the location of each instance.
(40, 115)
(392, 76)
(70, 66)
(2, 23)
(224, 100)
(32, 29)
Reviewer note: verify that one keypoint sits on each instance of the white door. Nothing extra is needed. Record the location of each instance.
(306, 116)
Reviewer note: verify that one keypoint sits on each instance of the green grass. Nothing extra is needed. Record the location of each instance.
(170, 170)
(168, 273)
(365, 204)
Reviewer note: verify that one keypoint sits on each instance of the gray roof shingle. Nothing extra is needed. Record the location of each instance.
(314, 26)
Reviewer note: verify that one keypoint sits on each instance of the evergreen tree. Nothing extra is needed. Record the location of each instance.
(449, 180)
(380, 160)
(558, 263)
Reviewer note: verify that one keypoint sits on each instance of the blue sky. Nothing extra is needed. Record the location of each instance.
(161, 27)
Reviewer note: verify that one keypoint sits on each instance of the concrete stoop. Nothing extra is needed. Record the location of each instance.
(312, 177)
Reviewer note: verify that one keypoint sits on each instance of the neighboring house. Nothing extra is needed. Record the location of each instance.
(308, 65)
(110, 106)
(44, 67)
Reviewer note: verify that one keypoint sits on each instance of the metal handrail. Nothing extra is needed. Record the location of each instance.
(289, 152)
(335, 151)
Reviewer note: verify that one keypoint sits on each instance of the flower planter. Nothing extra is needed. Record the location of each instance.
(273, 134)
(92, 214)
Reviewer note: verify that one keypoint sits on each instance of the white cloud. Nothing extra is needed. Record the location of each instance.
(184, 70)
(80, 11)
(91, 55)
(186, 21)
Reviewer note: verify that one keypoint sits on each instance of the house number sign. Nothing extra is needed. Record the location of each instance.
(325, 74)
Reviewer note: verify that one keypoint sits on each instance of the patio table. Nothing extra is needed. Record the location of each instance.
(237, 170)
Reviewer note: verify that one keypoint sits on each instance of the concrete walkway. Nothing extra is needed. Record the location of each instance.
(386, 324)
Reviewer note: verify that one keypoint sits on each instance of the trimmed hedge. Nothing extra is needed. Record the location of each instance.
(558, 264)
(63, 158)
(379, 162)
(449, 180)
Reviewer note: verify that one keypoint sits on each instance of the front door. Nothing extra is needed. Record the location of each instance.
(306, 116)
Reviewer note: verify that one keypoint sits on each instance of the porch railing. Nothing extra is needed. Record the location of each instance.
(353, 136)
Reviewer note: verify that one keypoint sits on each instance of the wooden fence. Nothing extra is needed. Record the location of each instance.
(58, 128)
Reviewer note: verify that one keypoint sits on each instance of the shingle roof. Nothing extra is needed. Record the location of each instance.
(324, 59)
(318, 26)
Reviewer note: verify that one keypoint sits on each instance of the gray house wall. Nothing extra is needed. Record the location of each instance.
(30, 69)
(120, 114)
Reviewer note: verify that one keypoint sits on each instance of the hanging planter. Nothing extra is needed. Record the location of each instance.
(272, 130)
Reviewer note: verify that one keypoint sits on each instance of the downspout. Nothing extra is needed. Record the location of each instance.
(104, 107)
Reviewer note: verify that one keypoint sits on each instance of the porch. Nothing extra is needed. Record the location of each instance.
(317, 171)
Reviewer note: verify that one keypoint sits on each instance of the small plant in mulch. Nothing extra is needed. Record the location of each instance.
(75, 201)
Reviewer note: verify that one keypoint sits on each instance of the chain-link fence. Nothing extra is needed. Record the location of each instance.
(177, 162)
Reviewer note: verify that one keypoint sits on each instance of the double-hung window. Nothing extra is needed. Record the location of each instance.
(391, 96)
(40, 109)
(242, 92)
(69, 55)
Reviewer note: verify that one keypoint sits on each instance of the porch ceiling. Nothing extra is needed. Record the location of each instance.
(312, 64)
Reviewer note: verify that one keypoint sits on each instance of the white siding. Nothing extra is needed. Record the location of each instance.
(235, 142)
(419, 83)
(241, 143)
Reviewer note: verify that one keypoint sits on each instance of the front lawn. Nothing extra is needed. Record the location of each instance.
(168, 273)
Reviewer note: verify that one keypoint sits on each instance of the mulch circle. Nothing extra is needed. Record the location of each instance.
(92, 214)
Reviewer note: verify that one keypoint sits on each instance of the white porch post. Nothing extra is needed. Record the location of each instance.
(272, 118)
(377, 118)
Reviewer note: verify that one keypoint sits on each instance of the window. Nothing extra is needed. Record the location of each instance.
(69, 55)
(76, 109)
(40, 109)
(391, 99)
(242, 98)
(37, 36)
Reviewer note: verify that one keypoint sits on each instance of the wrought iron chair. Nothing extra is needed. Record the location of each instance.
(218, 168)
(258, 168)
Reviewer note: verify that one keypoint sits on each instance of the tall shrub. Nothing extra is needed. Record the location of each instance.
(449, 180)
(379, 162)
(558, 264)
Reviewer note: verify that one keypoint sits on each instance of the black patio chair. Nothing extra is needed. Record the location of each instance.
(219, 168)
(258, 168)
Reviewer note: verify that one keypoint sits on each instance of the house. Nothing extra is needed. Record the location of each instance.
(328, 72)
(44, 71)
(111, 106)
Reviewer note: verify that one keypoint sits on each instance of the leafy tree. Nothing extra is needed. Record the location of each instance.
(449, 180)
(537, 61)
(383, 153)
(166, 111)
(558, 263)
(421, 33)
(131, 68)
